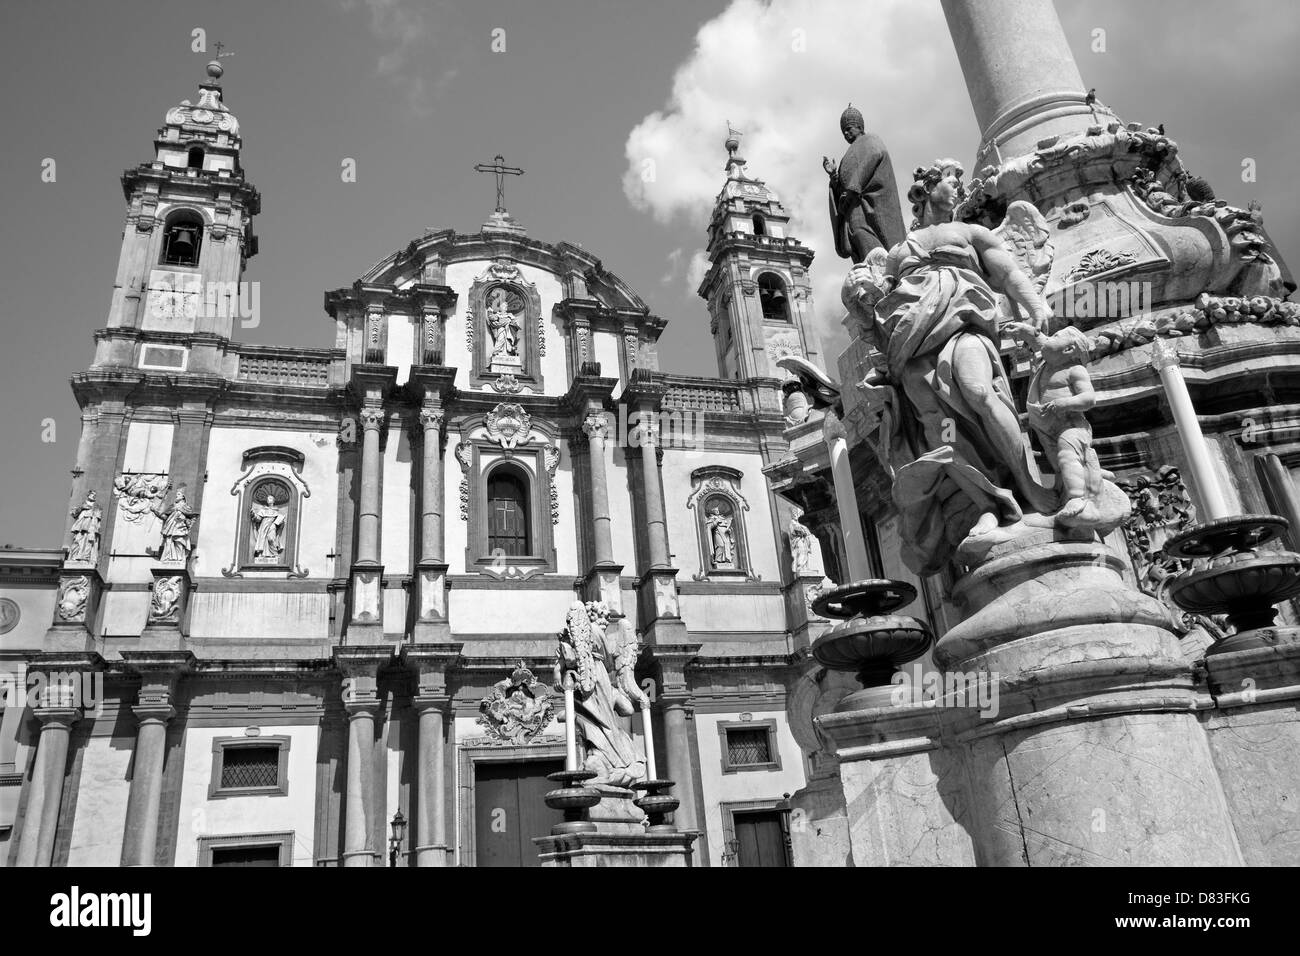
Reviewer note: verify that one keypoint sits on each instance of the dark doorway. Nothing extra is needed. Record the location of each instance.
(509, 810)
(760, 836)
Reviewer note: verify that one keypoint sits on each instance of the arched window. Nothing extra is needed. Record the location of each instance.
(772, 297)
(196, 157)
(181, 240)
(509, 527)
(760, 227)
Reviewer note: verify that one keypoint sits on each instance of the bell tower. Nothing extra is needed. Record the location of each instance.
(187, 238)
(758, 288)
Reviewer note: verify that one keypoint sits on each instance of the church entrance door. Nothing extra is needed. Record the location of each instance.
(509, 810)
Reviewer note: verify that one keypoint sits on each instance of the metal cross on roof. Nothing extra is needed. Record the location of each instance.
(499, 167)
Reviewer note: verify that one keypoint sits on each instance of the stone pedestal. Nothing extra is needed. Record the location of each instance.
(366, 624)
(1254, 737)
(431, 624)
(604, 583)
(169, 609)
(1066, 733)
(1089, 751)
(75, 608)
(617, 849)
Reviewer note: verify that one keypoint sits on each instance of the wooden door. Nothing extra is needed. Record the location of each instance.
(509, 810)
(761, 837)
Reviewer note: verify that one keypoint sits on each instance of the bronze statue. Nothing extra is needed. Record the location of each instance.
(863, 195)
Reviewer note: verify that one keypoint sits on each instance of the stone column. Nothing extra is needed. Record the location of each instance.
(432, 699)
(36, 846)
(159, 673)
(656, 519)
(1020, 74)
(372, 420)
(357, 850)
(846, 500)
(602, 581)
(1200, 466)
(675, 704)
(431, 572)
(431, 826)
(366, 625)
(431, 497)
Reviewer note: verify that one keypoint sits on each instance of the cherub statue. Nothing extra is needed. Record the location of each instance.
(1060, 393)
(605, 689)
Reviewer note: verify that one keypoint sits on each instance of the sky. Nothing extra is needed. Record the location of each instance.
(585, 95)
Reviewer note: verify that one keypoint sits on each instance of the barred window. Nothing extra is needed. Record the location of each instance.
(748, 747)
(247, 767)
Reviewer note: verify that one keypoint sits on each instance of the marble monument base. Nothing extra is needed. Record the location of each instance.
(1067, 732)
(621, 838)
(617, 849)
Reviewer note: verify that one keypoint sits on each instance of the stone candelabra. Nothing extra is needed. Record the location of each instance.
(574, 799)
(1231, 576)
(869, 639)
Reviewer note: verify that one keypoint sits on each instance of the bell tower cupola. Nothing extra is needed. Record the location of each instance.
(189, 228)
(757, 287)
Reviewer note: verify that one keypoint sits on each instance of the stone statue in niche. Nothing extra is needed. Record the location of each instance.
(176, 524)
(503, 325)
(602, 658)
(518, 709)
(268, 514)
(87, 520)
(722, 540)
(800, 543)
(949, 435)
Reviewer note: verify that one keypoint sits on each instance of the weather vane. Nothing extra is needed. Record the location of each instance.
(502, 171)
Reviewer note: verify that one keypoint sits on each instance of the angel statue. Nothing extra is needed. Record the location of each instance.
(603, 660)
(950, 436)
(502, 324)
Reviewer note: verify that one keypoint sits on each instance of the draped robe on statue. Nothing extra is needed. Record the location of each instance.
(945, 462)
(598, 704)
(874, 219)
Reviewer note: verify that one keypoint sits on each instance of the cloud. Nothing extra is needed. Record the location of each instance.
(782, 71)
(406, 30)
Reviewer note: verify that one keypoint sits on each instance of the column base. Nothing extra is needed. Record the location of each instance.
(657, 595)
(436, 856)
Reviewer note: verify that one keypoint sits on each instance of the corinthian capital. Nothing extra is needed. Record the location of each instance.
(431, 418)
(372, 416)
(596, 425)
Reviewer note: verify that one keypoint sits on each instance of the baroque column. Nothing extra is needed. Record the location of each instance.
(360, 691)
(160, 671)
(432, 700)
(431, 577)
(366, 625)
(602, 581)
(676, 705)
(36, 846)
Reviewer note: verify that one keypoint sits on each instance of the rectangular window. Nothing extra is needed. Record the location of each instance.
(748, 745)
(249, 766)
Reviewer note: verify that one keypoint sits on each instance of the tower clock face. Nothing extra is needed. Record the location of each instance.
(166, 305)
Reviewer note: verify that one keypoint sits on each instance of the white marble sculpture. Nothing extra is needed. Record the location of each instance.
(87, 520)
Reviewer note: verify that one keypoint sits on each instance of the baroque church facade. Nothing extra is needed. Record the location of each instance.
(306, 592)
